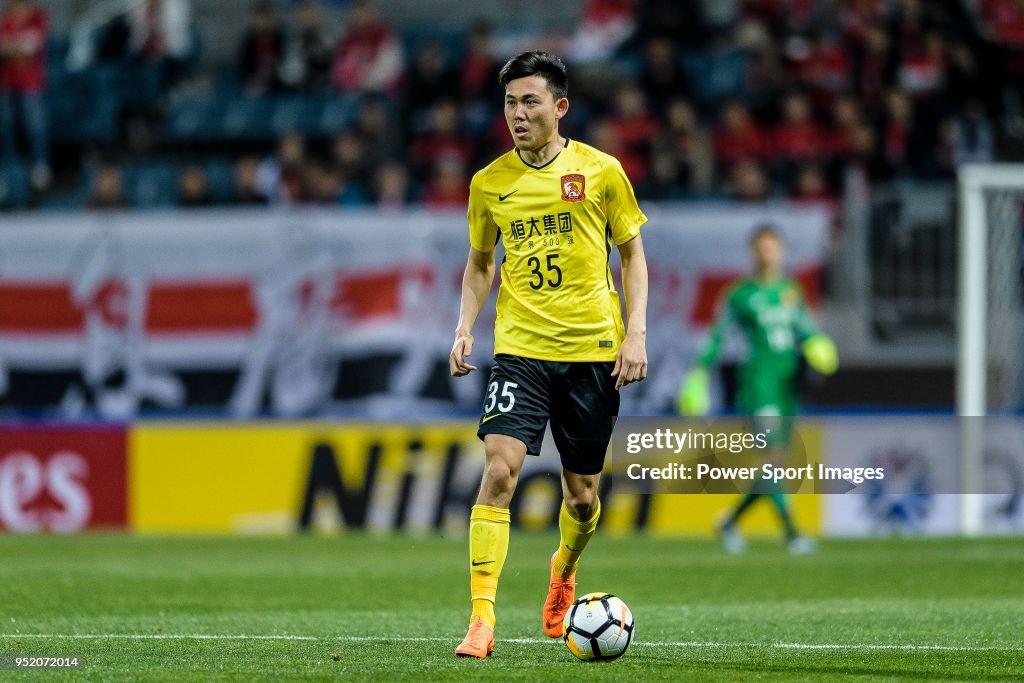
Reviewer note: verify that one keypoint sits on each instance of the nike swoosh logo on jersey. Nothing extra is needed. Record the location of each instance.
(486, 418)
(503, 197)
(477, 564)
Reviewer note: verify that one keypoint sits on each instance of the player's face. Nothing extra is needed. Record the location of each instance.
(532, 112)
(768, 254)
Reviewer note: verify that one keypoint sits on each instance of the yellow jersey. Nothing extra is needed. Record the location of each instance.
(557, 300)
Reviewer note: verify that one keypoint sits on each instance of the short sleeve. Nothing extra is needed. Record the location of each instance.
(624, 215)
(483, 232)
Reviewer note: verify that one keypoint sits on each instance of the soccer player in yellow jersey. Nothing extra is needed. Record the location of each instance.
(561, 350)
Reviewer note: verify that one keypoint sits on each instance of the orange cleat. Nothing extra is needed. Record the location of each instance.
(479, 641)
(561, 594)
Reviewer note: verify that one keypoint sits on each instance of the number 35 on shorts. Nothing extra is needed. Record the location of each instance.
(503, 401)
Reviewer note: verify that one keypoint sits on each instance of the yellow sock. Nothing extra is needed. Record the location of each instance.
(575, 535)
(485, 610)
(488, 546)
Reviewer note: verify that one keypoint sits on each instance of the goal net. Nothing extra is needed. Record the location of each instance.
(990, 363)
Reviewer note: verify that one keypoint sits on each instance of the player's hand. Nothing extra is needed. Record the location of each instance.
(693, 398)
(457, 359)
(631, 361)
(821, 354)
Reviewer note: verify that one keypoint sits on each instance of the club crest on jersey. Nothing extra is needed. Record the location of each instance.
(573, 187)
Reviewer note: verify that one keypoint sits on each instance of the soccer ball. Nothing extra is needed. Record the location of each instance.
(598, 627)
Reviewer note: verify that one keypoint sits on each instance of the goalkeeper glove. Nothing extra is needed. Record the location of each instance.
(821, 354)
(693, 394)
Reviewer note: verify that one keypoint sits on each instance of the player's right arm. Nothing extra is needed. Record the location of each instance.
(478, 276)
(694, 396)
(708, 355)
(476, 285)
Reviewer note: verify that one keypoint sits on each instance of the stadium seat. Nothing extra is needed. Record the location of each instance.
(290, 114)
(249, 118)
(337, 114)
(87, 107)
(220, 176)
(197, 118)
(14, 186)
(151, 184)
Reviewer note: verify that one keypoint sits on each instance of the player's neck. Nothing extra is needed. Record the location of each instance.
(542, 155)
(766, 277)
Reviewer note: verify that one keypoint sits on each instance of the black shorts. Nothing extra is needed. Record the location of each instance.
(579, 399)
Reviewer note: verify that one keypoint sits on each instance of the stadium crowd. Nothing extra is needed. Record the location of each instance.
(749, 100)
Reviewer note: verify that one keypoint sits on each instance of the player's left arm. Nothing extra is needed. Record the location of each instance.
(817, 347)
(625, 220)
(631, 361)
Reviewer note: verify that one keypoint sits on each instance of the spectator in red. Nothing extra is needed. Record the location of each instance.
(1006, 20)
(449, 187)
(922, 70)
(856, 18)
(846, 118)
(262, 49)
(603, 27)
(876, 66)
(635, 128)
(443, 138)
(827, 70)
(479, 69)
(739, 137)
(23, 34)
(369, 57)
(798, 137)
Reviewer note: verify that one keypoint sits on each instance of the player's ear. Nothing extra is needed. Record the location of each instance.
(561, 107)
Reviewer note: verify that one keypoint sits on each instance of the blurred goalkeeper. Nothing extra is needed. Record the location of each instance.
(769, 309)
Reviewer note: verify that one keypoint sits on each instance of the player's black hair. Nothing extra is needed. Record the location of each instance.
(537, 63)
(766, 230)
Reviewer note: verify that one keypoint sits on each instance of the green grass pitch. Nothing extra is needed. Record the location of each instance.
(323, 608)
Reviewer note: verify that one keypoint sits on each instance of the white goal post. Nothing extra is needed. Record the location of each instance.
(991, 197)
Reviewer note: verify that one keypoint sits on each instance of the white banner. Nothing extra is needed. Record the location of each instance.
(921, 458)
(298, 313)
